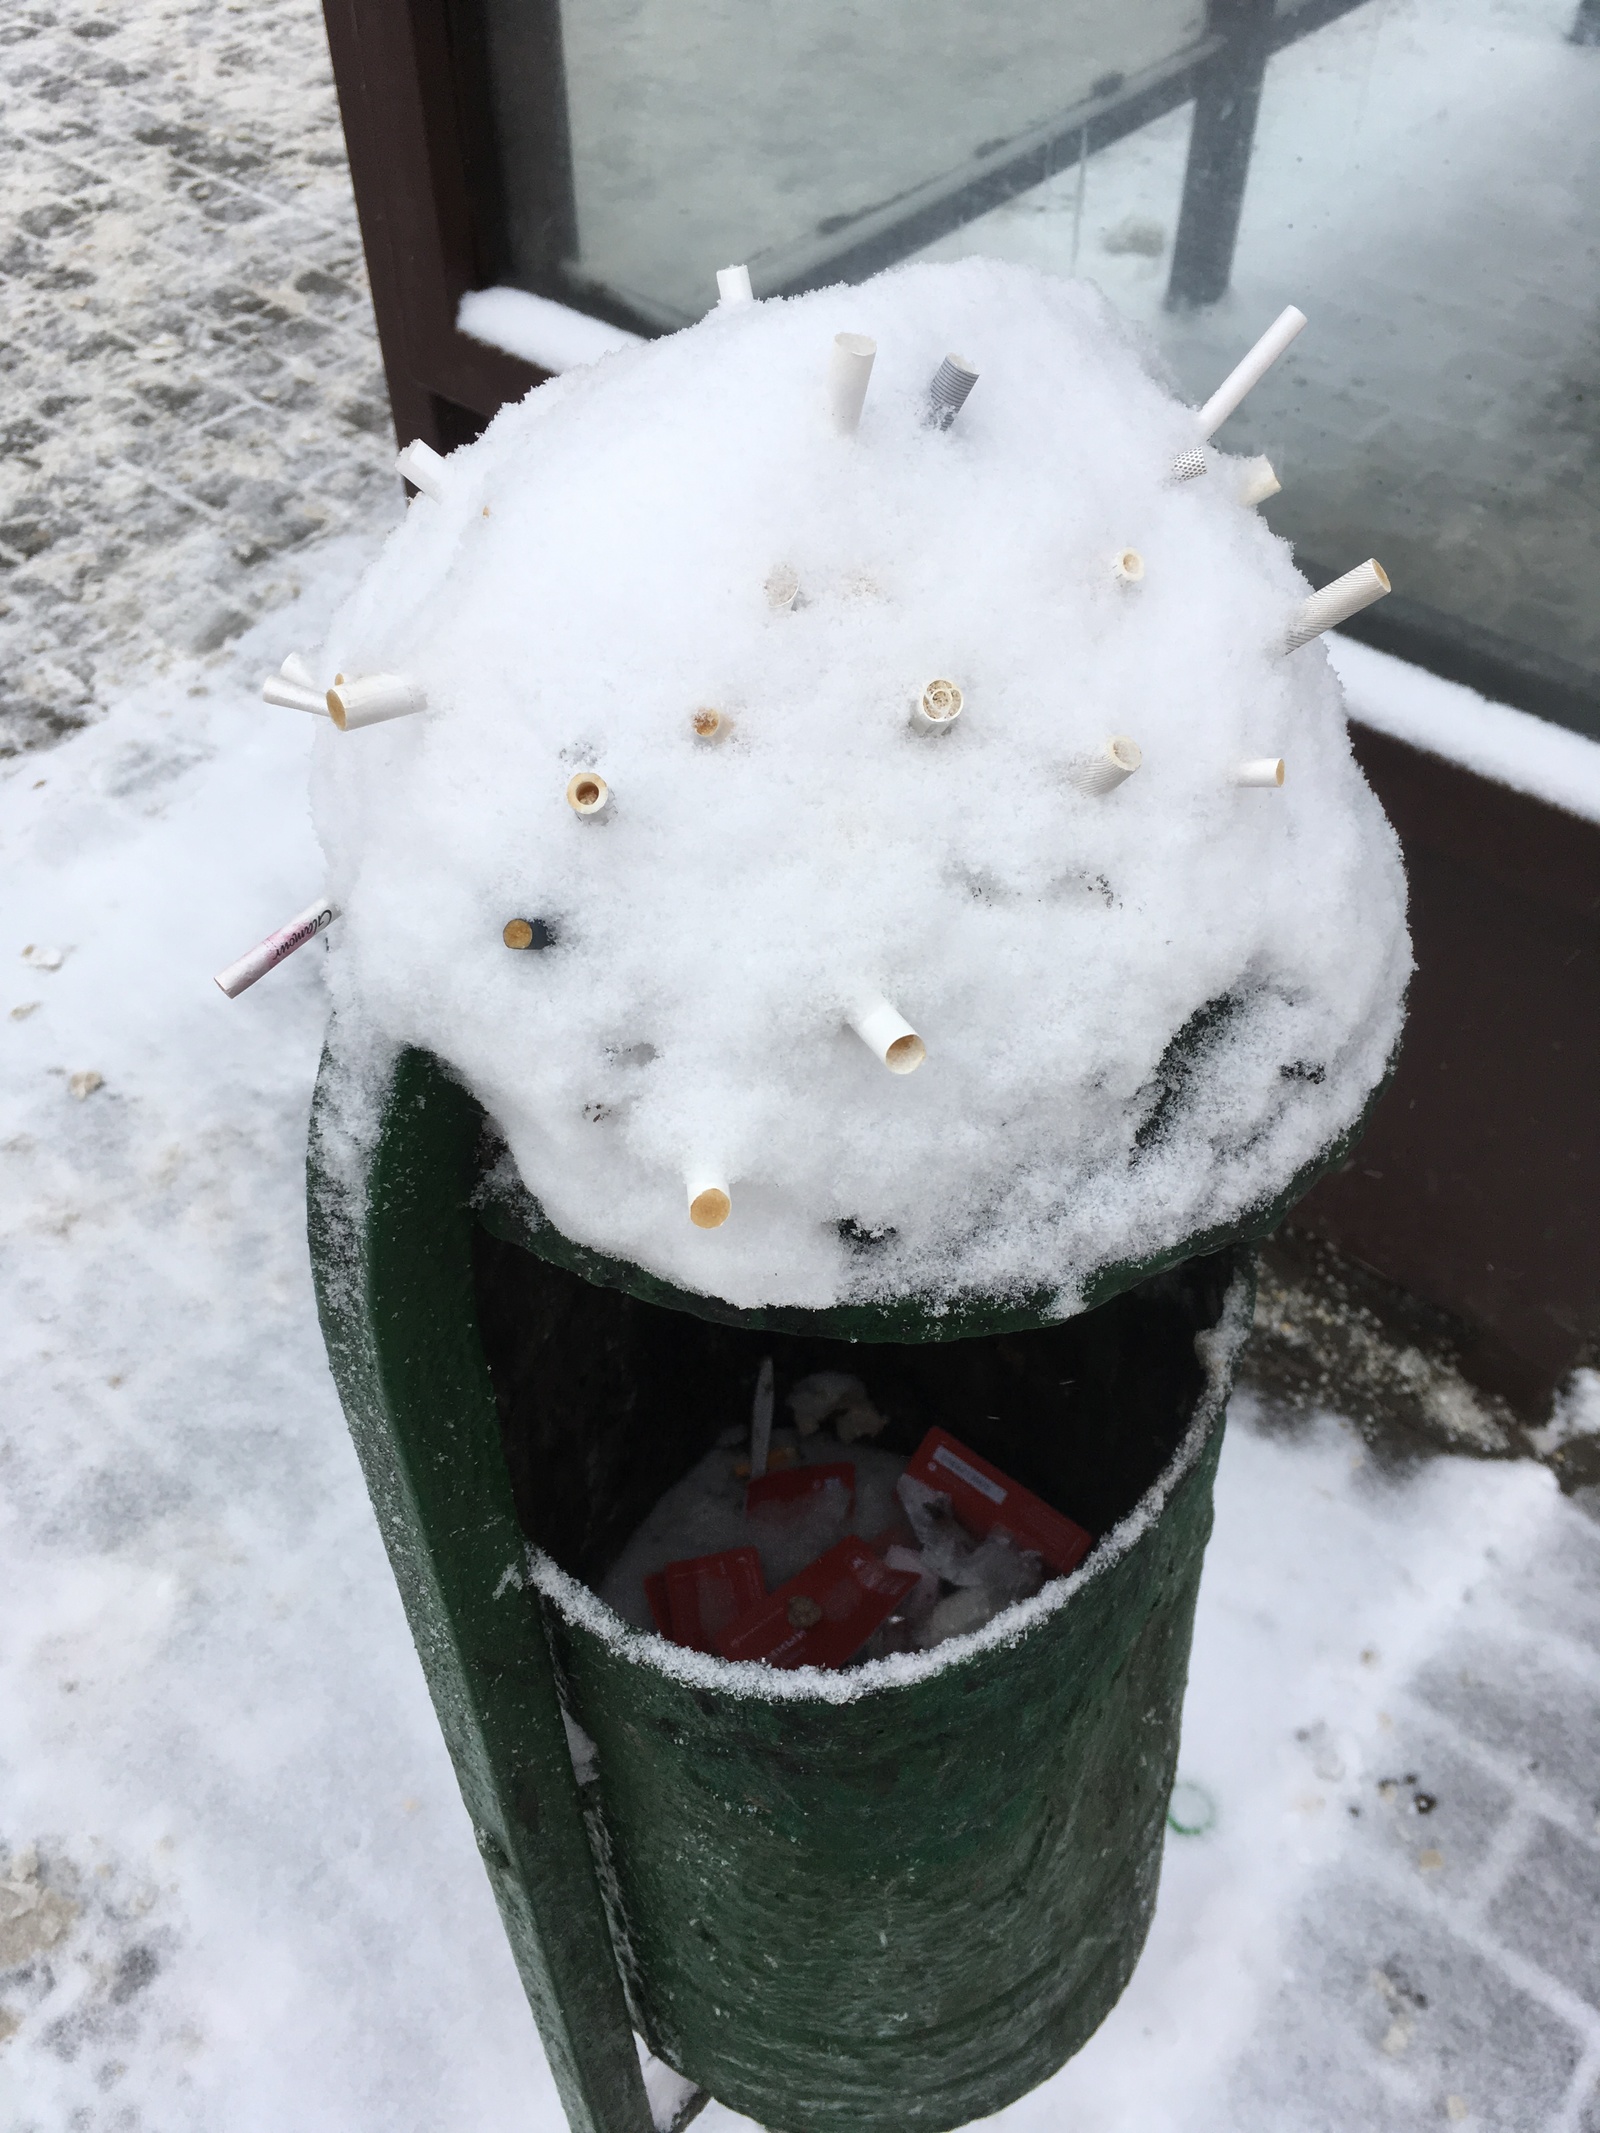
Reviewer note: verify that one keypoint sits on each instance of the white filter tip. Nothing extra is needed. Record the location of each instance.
(783, 586)
(295, 669)
(1264, 770)
(849, 370)
(371, 698)
(1337, 602)
(947, 395)
(733, 287)
(1111, 765)
(424, 468)
(710, 1201)
(1257, 482)
(937, 708)
(709, 724)
(1251, 370)
(588, 794)
(1189, 466)
(888, 1036)
(1127, 566)
(294, 695)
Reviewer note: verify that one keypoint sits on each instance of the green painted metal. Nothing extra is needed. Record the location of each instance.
(391, 1250)
(889, 1914)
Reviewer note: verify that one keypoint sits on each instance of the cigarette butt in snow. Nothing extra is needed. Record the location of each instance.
(371, 699)
(947, 395)
(293, 689)
(733, 287)
(587, 793)
(1251, 370)
(1103, 771)
(238, 977)
(937, 708)
(1257, 482)
(710, 1201)
(1337, 602)
(423, 467)
(783, 586)
(1127, 566)
(708, 724)
(1265, 770)
(528, 933)
(848, 373)
(1189, 466)
(888, 1035)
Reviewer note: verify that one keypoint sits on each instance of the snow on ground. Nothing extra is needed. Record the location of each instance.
(253, 1900)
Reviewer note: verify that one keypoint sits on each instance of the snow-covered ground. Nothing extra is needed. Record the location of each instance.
(242, 1892)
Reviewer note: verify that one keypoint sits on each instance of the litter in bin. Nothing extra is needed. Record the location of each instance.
(707, 1593)
(825, 1615)
(985, 1499)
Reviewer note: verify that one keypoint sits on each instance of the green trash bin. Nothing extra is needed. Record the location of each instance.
(831, 1901)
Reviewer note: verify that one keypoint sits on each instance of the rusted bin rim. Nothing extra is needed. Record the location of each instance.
(1217, 1347)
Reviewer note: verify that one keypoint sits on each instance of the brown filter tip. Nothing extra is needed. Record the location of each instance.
(711, 1208)
(518, 933)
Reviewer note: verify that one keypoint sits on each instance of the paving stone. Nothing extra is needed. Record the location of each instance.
(1431, 1803)
(1521, 1701)
(1548, 1908)
(185, 301)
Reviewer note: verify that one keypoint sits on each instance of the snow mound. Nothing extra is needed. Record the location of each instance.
(1144, 1009)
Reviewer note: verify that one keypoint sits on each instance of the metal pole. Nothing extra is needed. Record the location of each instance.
(1219, 154)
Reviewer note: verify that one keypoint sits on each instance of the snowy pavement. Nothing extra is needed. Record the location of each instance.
(241, 1891)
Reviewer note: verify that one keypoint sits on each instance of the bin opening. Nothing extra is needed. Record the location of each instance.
(606, 1401)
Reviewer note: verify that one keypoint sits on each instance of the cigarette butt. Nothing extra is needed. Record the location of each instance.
(733, 287)
(587, 793)
(1103, 771)
(761, 1420)
(1265, 770)
(1127, 566)
(1257, 482)
(1251, 370)
(783, 586)
(1336, 603)
(371, 699)
(947, 395)
(424, 468)
(848, 373)
(1189, 466)
(888, 1035)
(708, 724)
(267, 954)
(293, 695)
(295, 669)
(937, 708)
(710, 1201)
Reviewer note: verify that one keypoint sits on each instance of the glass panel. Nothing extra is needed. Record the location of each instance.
(1423, 179)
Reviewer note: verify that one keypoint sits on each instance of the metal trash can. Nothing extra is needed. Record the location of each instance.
(831, 1901)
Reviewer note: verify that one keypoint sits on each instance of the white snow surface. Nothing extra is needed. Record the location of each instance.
(596, 572)
(539, 330)
(1443, 718)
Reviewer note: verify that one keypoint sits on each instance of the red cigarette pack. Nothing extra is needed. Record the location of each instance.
(705, 1593)
(794, 1488)
(983, 1498)
(823, 1616)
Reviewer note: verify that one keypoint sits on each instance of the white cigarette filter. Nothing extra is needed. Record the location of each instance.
(710, 1201)
(372, 698)
(240, 976)
(1252, 370)
(849, 370)
(1263, 770)
(783, 586)
(888, 1036)
(293, 689)
(733, 287)
(1257, 481)
(588, 793)
(708, 724)
(1189, 466)
(1337, 602)
(937, 708)
(1127, 566)
(424, 468)
(947, 395)
(1110, 764)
